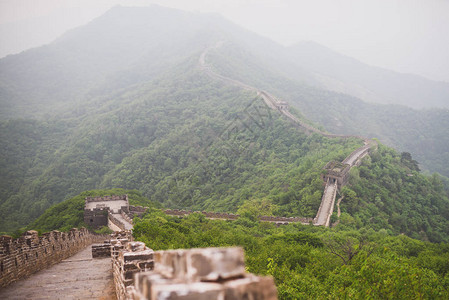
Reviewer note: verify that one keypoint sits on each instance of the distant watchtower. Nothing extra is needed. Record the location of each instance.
(96, 209)
(282, 105)
(337, 172)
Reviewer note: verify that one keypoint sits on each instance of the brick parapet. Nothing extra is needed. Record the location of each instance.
(30, 253)
(107, 198)
(116, 221)
(200, 274)
(128, 257)
(101, 250)
(127, 217)
(137, 209)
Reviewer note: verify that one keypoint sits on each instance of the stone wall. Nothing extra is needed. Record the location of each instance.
(101, 250)
(30, 253)
(96, 217)
(107, 198)
(127, 217)
(128, 257)
(200, 274)
(115, 221)
(336, 172)
(137, 210)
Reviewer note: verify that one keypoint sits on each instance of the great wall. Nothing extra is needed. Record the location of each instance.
(120, 268)
(30, 253)
(133, 270)
(337, 174)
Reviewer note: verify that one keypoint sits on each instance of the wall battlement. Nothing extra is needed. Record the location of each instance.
(200, 274)
(337, 172)
(98, 211)
(30, 253)
(107, 198)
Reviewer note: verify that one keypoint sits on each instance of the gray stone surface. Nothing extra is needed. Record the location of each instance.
(78, 277)
(327, 202)
(128, 226)
(114, 205)
(201, 264)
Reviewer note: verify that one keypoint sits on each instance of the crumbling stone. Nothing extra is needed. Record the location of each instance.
(101, 250)
(128, 258)
(208, 273)
(206, 264)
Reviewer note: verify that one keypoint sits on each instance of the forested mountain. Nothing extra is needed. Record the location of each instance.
(420, 132)
(122, 102)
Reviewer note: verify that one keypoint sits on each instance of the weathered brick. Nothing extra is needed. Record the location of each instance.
(138, 256)
(250, 287)
(30, 253)
(205, 264)
(184, 291)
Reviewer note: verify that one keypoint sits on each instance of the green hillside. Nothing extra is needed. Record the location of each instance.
(135, 111)
(422, 132)
(169, 142)
(309, 262)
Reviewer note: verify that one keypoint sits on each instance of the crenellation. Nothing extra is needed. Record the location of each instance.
(30, 253)
(202, 273)
(107, 198)
(112, 211)
(101, 250)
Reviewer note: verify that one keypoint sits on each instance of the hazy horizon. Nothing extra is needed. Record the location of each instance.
(401, 35)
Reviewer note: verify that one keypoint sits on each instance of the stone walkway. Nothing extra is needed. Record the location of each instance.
(327, 204)
(78, 277)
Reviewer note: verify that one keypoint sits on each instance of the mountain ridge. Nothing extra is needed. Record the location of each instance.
(148, 132)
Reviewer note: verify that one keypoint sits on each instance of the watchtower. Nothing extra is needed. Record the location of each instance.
(337, 172)
(282, 105)
(96, 209)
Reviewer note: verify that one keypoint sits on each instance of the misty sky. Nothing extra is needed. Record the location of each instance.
(404, 35)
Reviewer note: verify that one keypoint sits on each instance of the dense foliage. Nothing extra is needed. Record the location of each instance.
(387, 192)
(184, 141)
(314, 263)
(172, 140)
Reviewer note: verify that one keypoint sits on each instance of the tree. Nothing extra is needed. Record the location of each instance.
(346, 249)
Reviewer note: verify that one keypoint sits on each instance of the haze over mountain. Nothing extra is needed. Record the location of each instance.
(122, 102)
(411, 37)
(372, 84)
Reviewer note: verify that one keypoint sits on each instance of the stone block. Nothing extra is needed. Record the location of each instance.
(149, 265)
(202, 264)
(154, 286)
(101, 250)
(136, 246)
(182, 291)
(130, 267)
(144, 255)
(250, 287)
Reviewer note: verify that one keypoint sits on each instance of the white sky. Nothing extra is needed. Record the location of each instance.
(403, 35)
